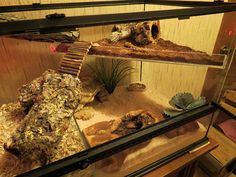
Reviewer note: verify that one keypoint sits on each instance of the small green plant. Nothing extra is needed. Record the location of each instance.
(183, 102)
(110, 75)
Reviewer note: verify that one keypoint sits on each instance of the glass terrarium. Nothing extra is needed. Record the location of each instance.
(225, 117)
(113, 88)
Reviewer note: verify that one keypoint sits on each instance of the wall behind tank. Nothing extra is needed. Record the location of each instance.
(21, 61)
(27, 63)
(199, 33)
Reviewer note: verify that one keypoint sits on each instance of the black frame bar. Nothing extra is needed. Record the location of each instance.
(224, 110)
(147, 169)
(187, 3)
(47, 25)
(39, 6)
(83, 159)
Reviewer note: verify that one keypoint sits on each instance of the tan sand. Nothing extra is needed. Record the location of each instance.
(121, 102)
(158, 148)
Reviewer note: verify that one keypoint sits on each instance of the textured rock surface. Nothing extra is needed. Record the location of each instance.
(49, 102)
(11, 116)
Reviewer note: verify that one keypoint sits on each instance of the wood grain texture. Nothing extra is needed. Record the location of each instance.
(164, 78)
(230, 81)
(195, 32)
(171, 78)
(215, 75)
(181, 162)
(230, 97)
(167, 79)
(20, 62)
(225, 153)
(216, 163)
(228, 107)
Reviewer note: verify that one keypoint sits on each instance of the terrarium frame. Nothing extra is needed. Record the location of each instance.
(39, 6)
(83, 159)
(220, 108)
(55, 24)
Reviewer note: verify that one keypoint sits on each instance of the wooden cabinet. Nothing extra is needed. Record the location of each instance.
(185, 165)
(220, 161)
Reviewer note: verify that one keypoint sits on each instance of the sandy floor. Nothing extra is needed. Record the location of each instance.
(158, 148)
(117, 105)
(121, 102)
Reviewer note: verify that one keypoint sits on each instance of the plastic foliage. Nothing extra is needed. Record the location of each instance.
(183, 102)
(110, 75)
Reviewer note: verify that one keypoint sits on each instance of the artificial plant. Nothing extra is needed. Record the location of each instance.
(110, 75)
(183, 102)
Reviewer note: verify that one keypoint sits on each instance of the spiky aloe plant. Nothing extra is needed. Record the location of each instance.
(111, 75)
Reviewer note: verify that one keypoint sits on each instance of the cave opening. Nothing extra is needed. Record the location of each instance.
(154, 31)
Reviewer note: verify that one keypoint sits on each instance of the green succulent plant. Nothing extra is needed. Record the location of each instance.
(110, 75)
(183, 102)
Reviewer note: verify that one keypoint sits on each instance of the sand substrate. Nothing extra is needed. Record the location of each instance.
(123, 101)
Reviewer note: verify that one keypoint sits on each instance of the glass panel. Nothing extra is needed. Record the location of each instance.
(12, 116)
(225, 122)
(41, 14)
(139, 156)
(128, 86)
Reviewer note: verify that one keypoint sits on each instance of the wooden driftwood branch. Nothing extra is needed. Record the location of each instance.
(141, 33)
